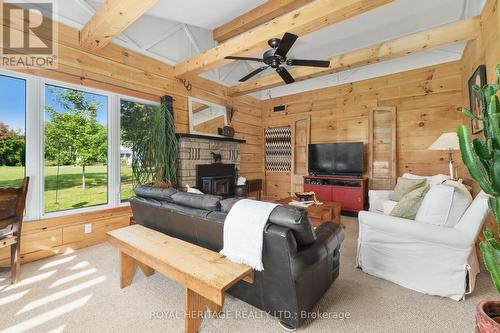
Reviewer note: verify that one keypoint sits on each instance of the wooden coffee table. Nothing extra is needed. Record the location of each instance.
(204, 274)
(329, 211)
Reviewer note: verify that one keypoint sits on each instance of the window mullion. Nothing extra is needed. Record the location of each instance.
(114, 151)
(34, 147)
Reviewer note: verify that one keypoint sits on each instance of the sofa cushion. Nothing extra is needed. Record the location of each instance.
(217, 216)
(462, 199)
(409, 204)
(227, 204)
(377, 203)
(185, 210)
(389, 206)
(200, 201)
(436, 205)
(297, 220)
(405, 186)
(445, 204)
(431, 180)
(158, 193)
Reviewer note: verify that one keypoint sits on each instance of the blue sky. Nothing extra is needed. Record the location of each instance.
(13, 101)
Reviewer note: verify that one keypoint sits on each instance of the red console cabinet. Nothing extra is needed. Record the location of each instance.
(350, 192)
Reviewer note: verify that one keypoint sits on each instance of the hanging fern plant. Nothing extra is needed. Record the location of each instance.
(154, 159)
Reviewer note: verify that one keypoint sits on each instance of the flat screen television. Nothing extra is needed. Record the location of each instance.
(336, 159)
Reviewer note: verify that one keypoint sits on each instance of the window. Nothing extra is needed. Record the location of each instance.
(76, 149)
(76, 143)
(12, 130)
(135, 118)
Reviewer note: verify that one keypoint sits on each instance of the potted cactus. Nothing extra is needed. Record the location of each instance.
(482, 158)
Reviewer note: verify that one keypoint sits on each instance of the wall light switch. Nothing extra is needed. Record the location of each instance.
(88, 228)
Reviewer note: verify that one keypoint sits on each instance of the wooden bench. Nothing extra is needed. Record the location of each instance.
(204, 274)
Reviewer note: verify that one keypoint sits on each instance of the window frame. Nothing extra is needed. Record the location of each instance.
(27, 105)
(25, 111)
(35, 143)
(64, 85)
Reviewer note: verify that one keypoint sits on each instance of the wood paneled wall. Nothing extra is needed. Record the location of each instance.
(427, 102)
(484, 50)
(49, 237)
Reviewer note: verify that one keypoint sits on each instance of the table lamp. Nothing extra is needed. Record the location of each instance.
(449, 142)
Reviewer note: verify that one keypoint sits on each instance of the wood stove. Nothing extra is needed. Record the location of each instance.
(222, 185)
(216, 179)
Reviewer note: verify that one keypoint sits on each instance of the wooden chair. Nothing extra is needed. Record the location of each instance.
(12, 203)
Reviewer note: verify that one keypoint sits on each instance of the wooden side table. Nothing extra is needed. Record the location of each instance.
(329, 211)
(255, 186)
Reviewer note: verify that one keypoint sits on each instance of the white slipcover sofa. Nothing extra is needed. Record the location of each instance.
(428, 258)
(380, 201)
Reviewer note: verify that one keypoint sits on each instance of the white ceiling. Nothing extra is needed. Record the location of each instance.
(207, 14)
(176, 30)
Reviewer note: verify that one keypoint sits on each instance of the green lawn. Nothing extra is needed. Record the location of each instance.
(71, 194)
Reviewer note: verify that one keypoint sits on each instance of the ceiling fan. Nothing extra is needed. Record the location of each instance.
(276, 58)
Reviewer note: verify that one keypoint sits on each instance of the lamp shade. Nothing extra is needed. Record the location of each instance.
(447, 141)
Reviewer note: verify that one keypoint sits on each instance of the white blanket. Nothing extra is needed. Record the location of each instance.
(244, 232)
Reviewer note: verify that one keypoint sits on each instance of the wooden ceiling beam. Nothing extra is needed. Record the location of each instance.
(255, 17)
(113, 17)
(309, 18)
(426, 40)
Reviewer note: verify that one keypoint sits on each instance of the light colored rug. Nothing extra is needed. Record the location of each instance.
(79, 292)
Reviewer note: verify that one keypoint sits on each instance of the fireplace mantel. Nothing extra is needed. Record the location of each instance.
(208, 137)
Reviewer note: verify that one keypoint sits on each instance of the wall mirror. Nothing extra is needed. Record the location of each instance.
(205, 117)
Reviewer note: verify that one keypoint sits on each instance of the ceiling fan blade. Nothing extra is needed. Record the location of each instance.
(310, 63)
(255, 72)
(285, 75)
(286, 44)
(243, 58)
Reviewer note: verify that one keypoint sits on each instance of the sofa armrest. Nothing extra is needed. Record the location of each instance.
(377, 196)
(329, 238)
(382, 194)
(331, 235)
(408, 231)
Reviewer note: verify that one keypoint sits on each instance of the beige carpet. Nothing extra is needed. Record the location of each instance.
(79, 292)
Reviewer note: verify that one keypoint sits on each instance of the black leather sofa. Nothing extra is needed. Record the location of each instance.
(300, 263)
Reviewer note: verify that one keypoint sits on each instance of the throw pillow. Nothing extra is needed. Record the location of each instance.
(435, 208)
(190, 189)
(389, 206)
(431, 180)
(462, 199)
(405, 186)
(409, 204)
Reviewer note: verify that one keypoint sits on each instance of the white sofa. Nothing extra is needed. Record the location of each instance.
(380, 201)
(428, 258)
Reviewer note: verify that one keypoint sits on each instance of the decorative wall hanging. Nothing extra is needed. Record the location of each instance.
(278, 144)
(382, 139)
(230, 114)
(186, 84)
(226, 131)
(476, 101)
